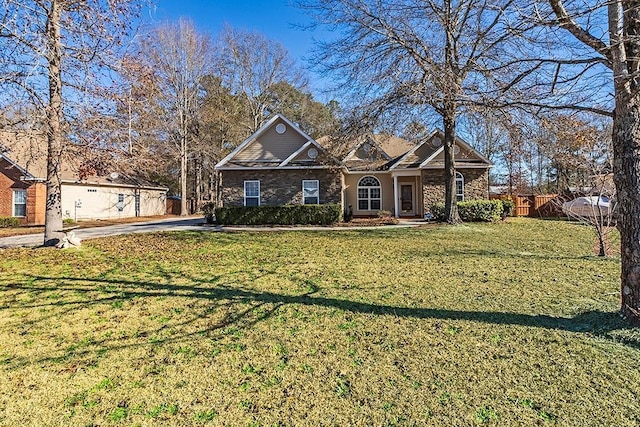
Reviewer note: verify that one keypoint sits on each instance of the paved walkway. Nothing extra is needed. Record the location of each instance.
(178, 224)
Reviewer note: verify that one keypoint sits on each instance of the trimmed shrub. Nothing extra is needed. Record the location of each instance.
(472, 211)
(437, 212)
(508, 208)
(209, 210)
(279, 215)
(480, 210)
(9, 221)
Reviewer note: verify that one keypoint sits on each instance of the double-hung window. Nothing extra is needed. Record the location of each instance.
(19, 202)
(369, 194)
(252, 193)
(310, 192)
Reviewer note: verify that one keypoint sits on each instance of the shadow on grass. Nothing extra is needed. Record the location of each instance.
(597, 323)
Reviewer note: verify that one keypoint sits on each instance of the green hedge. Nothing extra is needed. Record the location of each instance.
(9, 221)
(472, 211)
(278, 215)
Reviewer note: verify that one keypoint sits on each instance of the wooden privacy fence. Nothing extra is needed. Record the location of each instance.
(544, 205)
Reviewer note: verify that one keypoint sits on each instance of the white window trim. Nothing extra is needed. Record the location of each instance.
(317, 186)
(244, 202)
(369, 198)
(13, 204)
(459, 178)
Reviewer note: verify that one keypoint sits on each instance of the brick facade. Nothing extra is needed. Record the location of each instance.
(280, 187)
(476, 185)
(10, 181)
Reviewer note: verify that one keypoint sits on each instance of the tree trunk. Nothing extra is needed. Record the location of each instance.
(626, 147)
(53, 210)
(183, 177)
(450, 201)
(197, 183)
(626, 151)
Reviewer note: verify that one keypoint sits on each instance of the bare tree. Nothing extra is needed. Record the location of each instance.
(51, 49)
(251, 65)
(179, 58)
(441, 54)
(597, 46)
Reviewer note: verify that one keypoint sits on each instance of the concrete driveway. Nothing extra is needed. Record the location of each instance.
(169, 224)
(182, 224)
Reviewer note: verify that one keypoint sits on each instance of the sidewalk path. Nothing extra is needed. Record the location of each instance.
(180, 224)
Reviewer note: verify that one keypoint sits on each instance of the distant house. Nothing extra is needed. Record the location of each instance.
(279, 164)
(84, 196)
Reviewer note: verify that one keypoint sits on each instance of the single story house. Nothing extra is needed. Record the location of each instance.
(84, 195)
(279, 164)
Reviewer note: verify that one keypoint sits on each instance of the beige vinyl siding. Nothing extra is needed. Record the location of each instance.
(373, 154)
(272, 145)
(351, 192)
(464, 154)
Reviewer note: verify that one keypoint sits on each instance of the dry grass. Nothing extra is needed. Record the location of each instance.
(31, 229)
(503, 324)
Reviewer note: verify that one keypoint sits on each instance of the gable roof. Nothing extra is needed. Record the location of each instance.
(429, 154)
(26, 151)
(278, 143)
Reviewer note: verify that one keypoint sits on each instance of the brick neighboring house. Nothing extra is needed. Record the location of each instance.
(23, 190)
(279, 164)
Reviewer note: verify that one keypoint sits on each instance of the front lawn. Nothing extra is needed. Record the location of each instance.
(499, 324)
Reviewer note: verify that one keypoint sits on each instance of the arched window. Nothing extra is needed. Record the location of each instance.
(369, 194)
(459, 187)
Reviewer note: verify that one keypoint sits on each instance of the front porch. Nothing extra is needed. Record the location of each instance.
(399, 192)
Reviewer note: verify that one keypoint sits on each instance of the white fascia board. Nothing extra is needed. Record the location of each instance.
(473, 150)
(295, 154)
(408, 153)
(22, 170)
(459, 166)
(252, 138)
(431, 157)
(349, 172)
(460, 142)
(353, 150)
(293, 125)
(406, 172)
(368, 139)
(253, 168)
(107, 184)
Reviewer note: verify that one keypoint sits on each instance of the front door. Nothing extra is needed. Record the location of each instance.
(406, 199)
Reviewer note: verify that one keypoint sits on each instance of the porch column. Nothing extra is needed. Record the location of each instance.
(396, 199)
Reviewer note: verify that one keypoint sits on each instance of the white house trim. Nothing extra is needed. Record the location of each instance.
(406, 172)
(300, 150)
(253, 168)
(371, 142)
(27, 175)
(396, 197)
(413, 150)
(254, 137)
(431, 157)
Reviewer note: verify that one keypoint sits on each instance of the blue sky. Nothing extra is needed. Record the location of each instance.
(276, 19)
